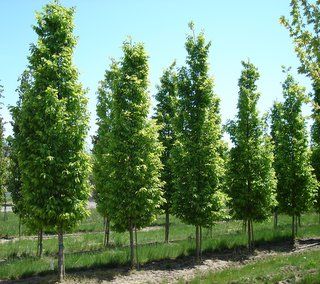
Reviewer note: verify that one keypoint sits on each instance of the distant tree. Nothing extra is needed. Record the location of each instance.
(251, 178)
(275, 128)
(133, 187)
(303, 27)
(165, 113)
(2, 156)
(196, 157)
(101, 169)
(53, 124)
(14, 173)
(296, 182)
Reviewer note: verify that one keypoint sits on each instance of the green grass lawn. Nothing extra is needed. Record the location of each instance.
(296, 268)
(86, 250)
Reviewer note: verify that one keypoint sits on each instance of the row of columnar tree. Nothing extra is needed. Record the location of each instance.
(175, 162)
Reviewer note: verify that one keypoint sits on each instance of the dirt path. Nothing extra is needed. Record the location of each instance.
(172, 270)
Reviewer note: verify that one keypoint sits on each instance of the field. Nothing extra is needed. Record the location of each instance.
(84, 247)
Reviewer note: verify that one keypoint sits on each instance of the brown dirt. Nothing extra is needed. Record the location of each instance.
(172, 270)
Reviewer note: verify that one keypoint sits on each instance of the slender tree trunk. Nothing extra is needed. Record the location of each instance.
(61, 269)
(293, 231)
(19, 226)
(106, 231)
(5, 208)
(252, 236)
(244, 225)
(132, 254)
(200, 243)
(319, 217)
(275, 220)
(40, 242)
(167, 226)
(249, 235)
(299, 221)
(296, 225)
(136, 245)
(197, 244)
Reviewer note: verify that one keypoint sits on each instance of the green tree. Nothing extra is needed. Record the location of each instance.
(275, 118)
(303, 27)
(14, 176)
(101, 168)
(165, 113)
(132, 182)
(2, 156)
(53, 124)
(251, 178)
(196, 156)
(296, 182)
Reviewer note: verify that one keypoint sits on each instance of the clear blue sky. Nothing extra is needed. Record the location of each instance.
(238, 30)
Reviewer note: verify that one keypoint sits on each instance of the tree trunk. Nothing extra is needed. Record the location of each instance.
(61, 269)
(19, 226)
(293, 231)
(299, 221)
(249, 235)
(167, 225)
(252, 236)
(40, 242)
(200, 243)
(197, 244)
(5, 208)
(275, 220)
(319, 217)
(106, 231)
(296, 226)
(132, 254)
(244, 225)
(136, 245)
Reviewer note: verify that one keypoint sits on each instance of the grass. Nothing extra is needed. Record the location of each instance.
(295, 268)
(87, 251)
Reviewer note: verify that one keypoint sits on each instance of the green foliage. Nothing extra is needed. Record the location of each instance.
(53, 123)
(303, 27)
(296, 182)
(165, 114)
(14, 183)
(251, 179)
(197, 160)
(132, 154)
(101, 168)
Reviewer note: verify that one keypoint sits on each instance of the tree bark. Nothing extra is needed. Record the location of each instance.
(61, 269)
(167, 225)
(197, 244)
(136, 245)
(106, 231)
(132, 254)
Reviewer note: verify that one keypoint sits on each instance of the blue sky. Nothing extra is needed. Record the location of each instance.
(238, 30)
